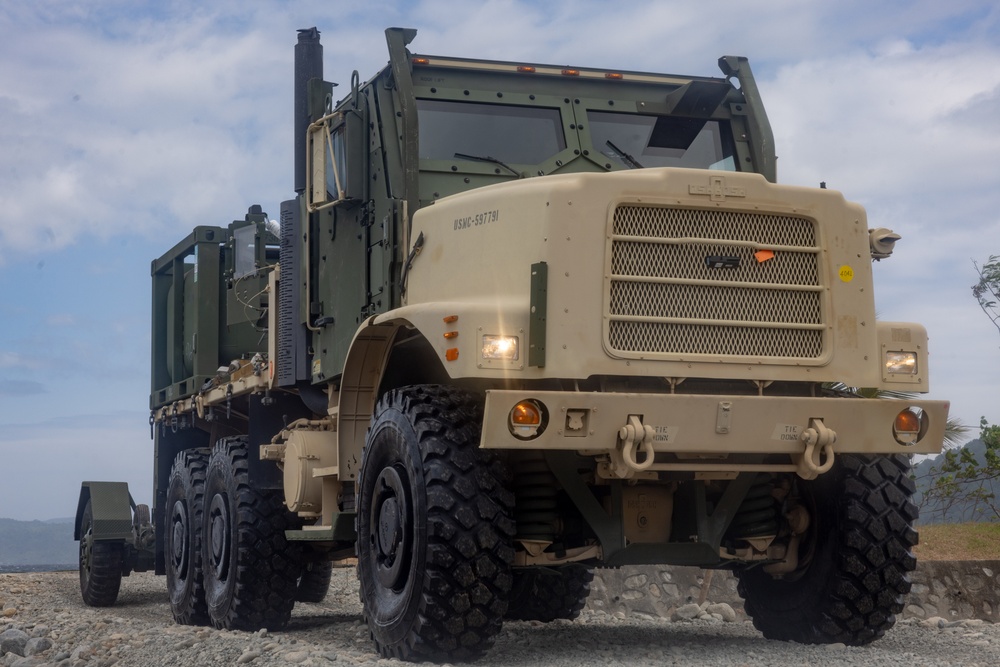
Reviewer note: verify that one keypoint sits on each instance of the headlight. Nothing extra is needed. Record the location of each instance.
(901, 363)
(500, 347)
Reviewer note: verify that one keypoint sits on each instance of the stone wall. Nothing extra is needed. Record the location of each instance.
(953, 590)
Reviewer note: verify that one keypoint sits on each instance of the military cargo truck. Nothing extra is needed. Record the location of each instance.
(520, 321)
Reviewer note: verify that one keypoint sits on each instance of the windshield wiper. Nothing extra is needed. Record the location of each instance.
(629, 161)
(487, 158)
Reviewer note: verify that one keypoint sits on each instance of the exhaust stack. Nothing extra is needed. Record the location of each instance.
(308, 65)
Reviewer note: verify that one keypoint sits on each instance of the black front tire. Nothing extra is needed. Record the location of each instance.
(548, 594)
(185, 508)
(101, 563)
(435, 533)
(855, 558)
(250, 570)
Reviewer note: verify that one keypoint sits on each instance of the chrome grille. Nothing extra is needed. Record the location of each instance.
(662, 298)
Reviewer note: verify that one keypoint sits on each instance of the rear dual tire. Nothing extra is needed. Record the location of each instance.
(185, 507)
(549, 594)
(250, 570)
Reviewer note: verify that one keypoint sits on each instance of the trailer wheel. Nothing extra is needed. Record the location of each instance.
(855, 558)
(549, 593)
(101, 563)
(185, 507)
(434, 527)
(314, 582)
(250, 570)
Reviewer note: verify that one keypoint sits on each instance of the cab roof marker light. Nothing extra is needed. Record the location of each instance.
(421, 61)
(571, 72)
(617, 76)
(526, 69)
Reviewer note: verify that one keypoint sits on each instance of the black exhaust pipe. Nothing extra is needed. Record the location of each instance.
(308, 65)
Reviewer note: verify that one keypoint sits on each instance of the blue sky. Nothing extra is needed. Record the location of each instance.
(124, 124)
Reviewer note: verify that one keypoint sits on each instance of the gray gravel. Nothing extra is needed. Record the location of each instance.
(45, 609)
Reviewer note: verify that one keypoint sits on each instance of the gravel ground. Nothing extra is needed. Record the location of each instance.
(139, 631)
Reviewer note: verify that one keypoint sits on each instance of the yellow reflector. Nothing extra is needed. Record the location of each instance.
(526, 413)
(450, 319)
(450, 334)
(907, 421)
(451, 354)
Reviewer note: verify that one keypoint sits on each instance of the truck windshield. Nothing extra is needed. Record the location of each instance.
(636, 141)
(511, 134)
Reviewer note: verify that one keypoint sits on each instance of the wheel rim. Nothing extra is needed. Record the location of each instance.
(86, 552)
(391, 538)
(219, 539)
(180, 536)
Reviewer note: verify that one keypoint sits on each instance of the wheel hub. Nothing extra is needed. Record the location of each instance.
(179, 538)
(391, 533)
(218, 518)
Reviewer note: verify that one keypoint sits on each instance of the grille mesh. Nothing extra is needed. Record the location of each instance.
(661, 298)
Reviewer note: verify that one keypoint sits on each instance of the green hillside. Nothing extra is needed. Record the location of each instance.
(37, 543)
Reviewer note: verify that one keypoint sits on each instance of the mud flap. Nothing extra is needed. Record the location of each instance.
(111, 505)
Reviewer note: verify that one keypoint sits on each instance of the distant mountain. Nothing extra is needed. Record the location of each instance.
(961, 511)
(34, 543)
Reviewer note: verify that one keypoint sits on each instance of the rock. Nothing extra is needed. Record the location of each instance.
(724, 610)
(37, 645)
(13, 641)
(33, 661)
(248, 656)
(686, 612)
(296, 657)
(934, 622)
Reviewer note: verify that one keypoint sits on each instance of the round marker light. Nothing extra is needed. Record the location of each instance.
(909, 426)
(527, 419)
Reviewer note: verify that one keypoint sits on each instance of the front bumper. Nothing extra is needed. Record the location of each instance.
(702, 431)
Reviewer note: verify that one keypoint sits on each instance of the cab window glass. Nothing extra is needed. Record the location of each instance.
(513, 134)
(636, 141)
(338, 157)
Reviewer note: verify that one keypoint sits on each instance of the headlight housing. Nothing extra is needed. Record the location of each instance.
(899, 362)
(505, 348)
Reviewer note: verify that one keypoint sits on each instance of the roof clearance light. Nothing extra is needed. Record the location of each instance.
(571, 72)
(527, 69)
(613, 75)
(421, 61)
